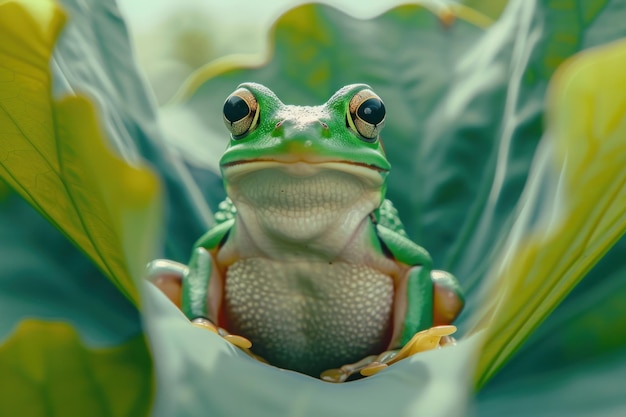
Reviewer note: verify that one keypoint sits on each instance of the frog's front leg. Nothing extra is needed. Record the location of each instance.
(429, 298)
(196, 290)
(438, 303)
(202, 289)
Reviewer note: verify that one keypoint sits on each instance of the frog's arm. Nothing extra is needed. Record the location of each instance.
(387, 215)
(414, 294)
(202, 277)
(426, 297)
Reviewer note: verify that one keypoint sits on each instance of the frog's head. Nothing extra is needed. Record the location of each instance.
(305, 159)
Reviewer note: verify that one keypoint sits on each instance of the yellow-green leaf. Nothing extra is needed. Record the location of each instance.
(53, 153)
(47, 371)
(585, 149)
(491, 8)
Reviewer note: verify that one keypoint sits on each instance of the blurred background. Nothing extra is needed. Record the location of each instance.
(174, 38)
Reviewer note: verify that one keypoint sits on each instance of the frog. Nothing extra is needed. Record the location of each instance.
(309, 267)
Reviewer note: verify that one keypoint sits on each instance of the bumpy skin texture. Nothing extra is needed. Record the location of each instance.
(308, 260)
(350, 322)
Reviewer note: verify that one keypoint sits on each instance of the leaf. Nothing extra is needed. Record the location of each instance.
(103, 205)
(106, 72)
(47, 370)
(120, 204)
(4, 190)
(585, 326)
(491, 8)
(549, 251)
(490, 122)
(587, 388)
(203, 371)
(45, 277)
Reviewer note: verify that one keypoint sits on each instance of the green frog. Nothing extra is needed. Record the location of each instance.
(309, 264)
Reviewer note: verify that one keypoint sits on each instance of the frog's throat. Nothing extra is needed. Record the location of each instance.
(302, 204)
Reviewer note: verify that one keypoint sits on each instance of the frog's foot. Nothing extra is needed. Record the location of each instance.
(425, 340)
(239, 341)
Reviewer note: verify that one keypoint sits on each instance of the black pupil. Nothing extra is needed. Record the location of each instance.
(235, 109)
(371, 111)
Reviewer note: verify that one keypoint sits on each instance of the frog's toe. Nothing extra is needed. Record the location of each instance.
(335, 375)
(205, 323)
(373, 368)
(346, 371)
(239, 341)
(425, 340)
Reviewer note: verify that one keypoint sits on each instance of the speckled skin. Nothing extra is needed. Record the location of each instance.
(309, 316)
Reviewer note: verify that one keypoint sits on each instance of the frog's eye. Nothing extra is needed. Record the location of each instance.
(241, 112)
(366, 115)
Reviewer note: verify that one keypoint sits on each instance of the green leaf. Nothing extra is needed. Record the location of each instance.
(574, 362)
(585, 326)
(44, 276)
(106, 207)
(106, 72)
(47, 371)
(494, 108)
(491, 8)
(587, 388)
(582, 215)
(48, 154)
(202, 371)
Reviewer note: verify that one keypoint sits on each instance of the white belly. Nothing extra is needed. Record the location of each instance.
(309, 316)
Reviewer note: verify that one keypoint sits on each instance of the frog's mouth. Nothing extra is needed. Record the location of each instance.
(370, 175)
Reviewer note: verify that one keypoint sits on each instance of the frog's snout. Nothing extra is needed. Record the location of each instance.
(299, 131)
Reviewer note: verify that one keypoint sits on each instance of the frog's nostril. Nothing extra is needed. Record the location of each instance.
(279, 124)
(324, 125)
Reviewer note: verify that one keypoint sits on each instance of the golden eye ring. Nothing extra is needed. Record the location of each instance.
(366, 115)
(241, 112)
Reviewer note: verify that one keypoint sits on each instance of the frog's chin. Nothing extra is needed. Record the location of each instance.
(301, 202)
